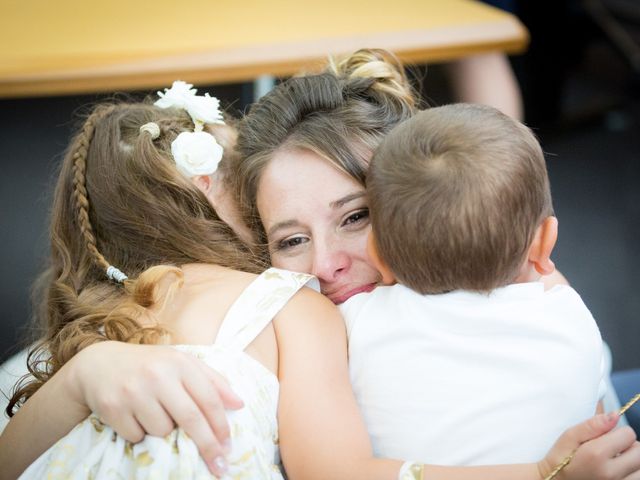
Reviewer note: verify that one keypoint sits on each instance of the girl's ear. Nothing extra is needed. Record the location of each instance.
(388, 278)
(543, 242)
(204, 183)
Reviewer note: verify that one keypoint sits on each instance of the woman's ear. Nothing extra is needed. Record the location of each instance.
(543, 242)
(204, 183)
(388, 278)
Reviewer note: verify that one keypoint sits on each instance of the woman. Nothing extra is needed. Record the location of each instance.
(313, 218)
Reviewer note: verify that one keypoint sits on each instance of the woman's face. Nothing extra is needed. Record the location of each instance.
(317, 221)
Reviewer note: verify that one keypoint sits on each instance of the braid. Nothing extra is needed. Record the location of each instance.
(80, 197)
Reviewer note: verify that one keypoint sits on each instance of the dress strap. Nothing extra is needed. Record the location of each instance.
(257, 305)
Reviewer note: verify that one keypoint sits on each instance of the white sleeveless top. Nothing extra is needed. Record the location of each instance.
(467, 378)
(93, 450)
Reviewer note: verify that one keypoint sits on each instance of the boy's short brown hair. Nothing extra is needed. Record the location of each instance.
(456, 195)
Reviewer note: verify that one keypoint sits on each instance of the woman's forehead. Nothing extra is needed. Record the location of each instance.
(305, 169)
(299, 179)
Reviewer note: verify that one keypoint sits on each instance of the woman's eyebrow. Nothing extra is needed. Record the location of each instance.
(283, 224)
(346, 199)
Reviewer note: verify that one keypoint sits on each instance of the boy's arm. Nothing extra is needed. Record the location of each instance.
(322, 434)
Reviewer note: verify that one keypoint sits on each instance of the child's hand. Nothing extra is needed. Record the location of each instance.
(601, 453)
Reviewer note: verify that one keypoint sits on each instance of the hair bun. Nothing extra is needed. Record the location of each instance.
(381, 67)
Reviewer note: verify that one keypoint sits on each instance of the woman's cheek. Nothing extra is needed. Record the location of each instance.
(296, 264)
(357, 242)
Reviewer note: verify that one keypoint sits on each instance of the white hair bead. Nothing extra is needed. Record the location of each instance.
(152, 129)
(115, 274)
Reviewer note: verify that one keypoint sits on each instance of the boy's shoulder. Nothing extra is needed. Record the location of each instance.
(564, 296)
(527, 300)
(380, 295)
(378, 303)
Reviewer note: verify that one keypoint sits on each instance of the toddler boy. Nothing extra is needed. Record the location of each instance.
(468, 341)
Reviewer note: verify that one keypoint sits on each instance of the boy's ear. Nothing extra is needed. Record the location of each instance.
(203, 182)
(543, 242)
(372, 250)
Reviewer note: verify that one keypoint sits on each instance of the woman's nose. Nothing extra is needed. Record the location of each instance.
(329, 264)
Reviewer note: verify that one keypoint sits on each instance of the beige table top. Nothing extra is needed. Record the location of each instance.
(82, 46)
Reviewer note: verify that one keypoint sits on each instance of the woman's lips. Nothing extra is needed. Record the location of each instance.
(339, 297)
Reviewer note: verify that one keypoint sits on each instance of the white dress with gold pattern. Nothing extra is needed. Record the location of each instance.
(93, 450)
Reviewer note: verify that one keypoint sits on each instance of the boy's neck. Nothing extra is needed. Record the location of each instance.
(527, 274)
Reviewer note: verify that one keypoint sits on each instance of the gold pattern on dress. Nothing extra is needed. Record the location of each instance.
(97, 424)
(411, 471)
(175, 447)
(272, 274)
(143, 459)
(246, 456)
(128, 449)
(303, 277)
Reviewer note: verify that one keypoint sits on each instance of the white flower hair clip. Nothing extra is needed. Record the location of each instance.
(197, 152)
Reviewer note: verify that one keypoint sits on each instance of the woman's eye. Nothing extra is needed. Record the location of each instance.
(291, 242)
(357, 217)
